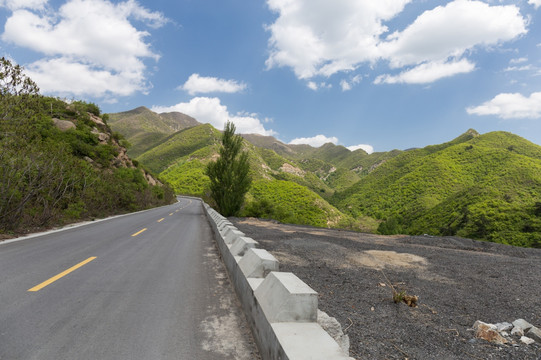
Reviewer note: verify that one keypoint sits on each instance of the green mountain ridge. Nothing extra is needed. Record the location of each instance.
(144, 128)
(478, 186)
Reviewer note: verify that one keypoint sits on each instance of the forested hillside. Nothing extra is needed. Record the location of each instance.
(60, 162)
(482, 187)
(477, 186)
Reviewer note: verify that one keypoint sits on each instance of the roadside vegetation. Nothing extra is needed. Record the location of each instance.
(50, 176)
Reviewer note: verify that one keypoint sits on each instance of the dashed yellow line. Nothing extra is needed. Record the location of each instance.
(62, 274)
(160, 220)
(171, 214)
(140, 231)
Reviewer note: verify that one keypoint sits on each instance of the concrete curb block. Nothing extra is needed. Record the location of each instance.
(280, 308)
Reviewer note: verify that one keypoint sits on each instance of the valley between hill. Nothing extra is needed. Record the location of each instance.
(458, 281)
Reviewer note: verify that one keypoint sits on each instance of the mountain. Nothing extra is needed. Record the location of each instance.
(144, 128)
(62, 163)
(478, 186)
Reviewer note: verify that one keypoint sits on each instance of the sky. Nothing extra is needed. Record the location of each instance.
(377, 75)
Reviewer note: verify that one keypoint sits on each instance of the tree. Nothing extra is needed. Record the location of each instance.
(18, 96)
(229, 174)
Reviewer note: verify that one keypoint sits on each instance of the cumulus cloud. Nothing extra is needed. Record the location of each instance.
(315, 141)
(23, 4)
(510, 106)
(202, 85)
(91, 38)
(369, 149)
(450, 30)
(321, 38)
(535, 3)
(428, 72)
(325, 37)
(312, 85)
(211, 110)
(348, 85)
(65, 77)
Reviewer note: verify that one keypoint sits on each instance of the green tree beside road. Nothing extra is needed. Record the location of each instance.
(229, 174)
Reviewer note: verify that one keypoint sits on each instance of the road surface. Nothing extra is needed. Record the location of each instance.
(149, 285)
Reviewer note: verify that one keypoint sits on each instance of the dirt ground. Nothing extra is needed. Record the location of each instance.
(457, 281)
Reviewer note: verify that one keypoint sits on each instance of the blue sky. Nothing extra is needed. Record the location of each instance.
(380, 75)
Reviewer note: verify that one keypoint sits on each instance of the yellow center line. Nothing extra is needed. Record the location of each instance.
(140, 231)
(161, 220)
(62, 274)
(171, 214)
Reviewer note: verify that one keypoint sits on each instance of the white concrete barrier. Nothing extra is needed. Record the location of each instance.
(257, 263)
(241, 245)
(280, 308)
(231, 234)
(286, 298)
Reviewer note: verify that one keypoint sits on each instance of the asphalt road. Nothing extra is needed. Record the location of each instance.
(149, 285)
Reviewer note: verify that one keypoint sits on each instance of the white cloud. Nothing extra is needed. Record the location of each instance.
(346, 86)
(369, 149)
(210, 110)
(65, 77)
(315, 141)
(535, 3)
(316, 86)
(201, 85)
(312, 85)
(428, 72)
(449, 31)
(90, 37)
(510, 106)
(519, 68)
(322, 38)
(318, 37)
(518, 60)
(23, 4)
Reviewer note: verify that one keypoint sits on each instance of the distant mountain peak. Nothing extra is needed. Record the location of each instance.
(472, 132)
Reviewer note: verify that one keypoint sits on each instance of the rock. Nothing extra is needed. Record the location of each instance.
(527, 340)
(521, 323)
(517, 330)
(479, 324)
(102, 137)
(63, 125)
(504, 326)
(535, 333)
(488, 332)
(96, 119)
(334, 329)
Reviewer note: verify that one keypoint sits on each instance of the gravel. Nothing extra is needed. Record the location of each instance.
(457, 281)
